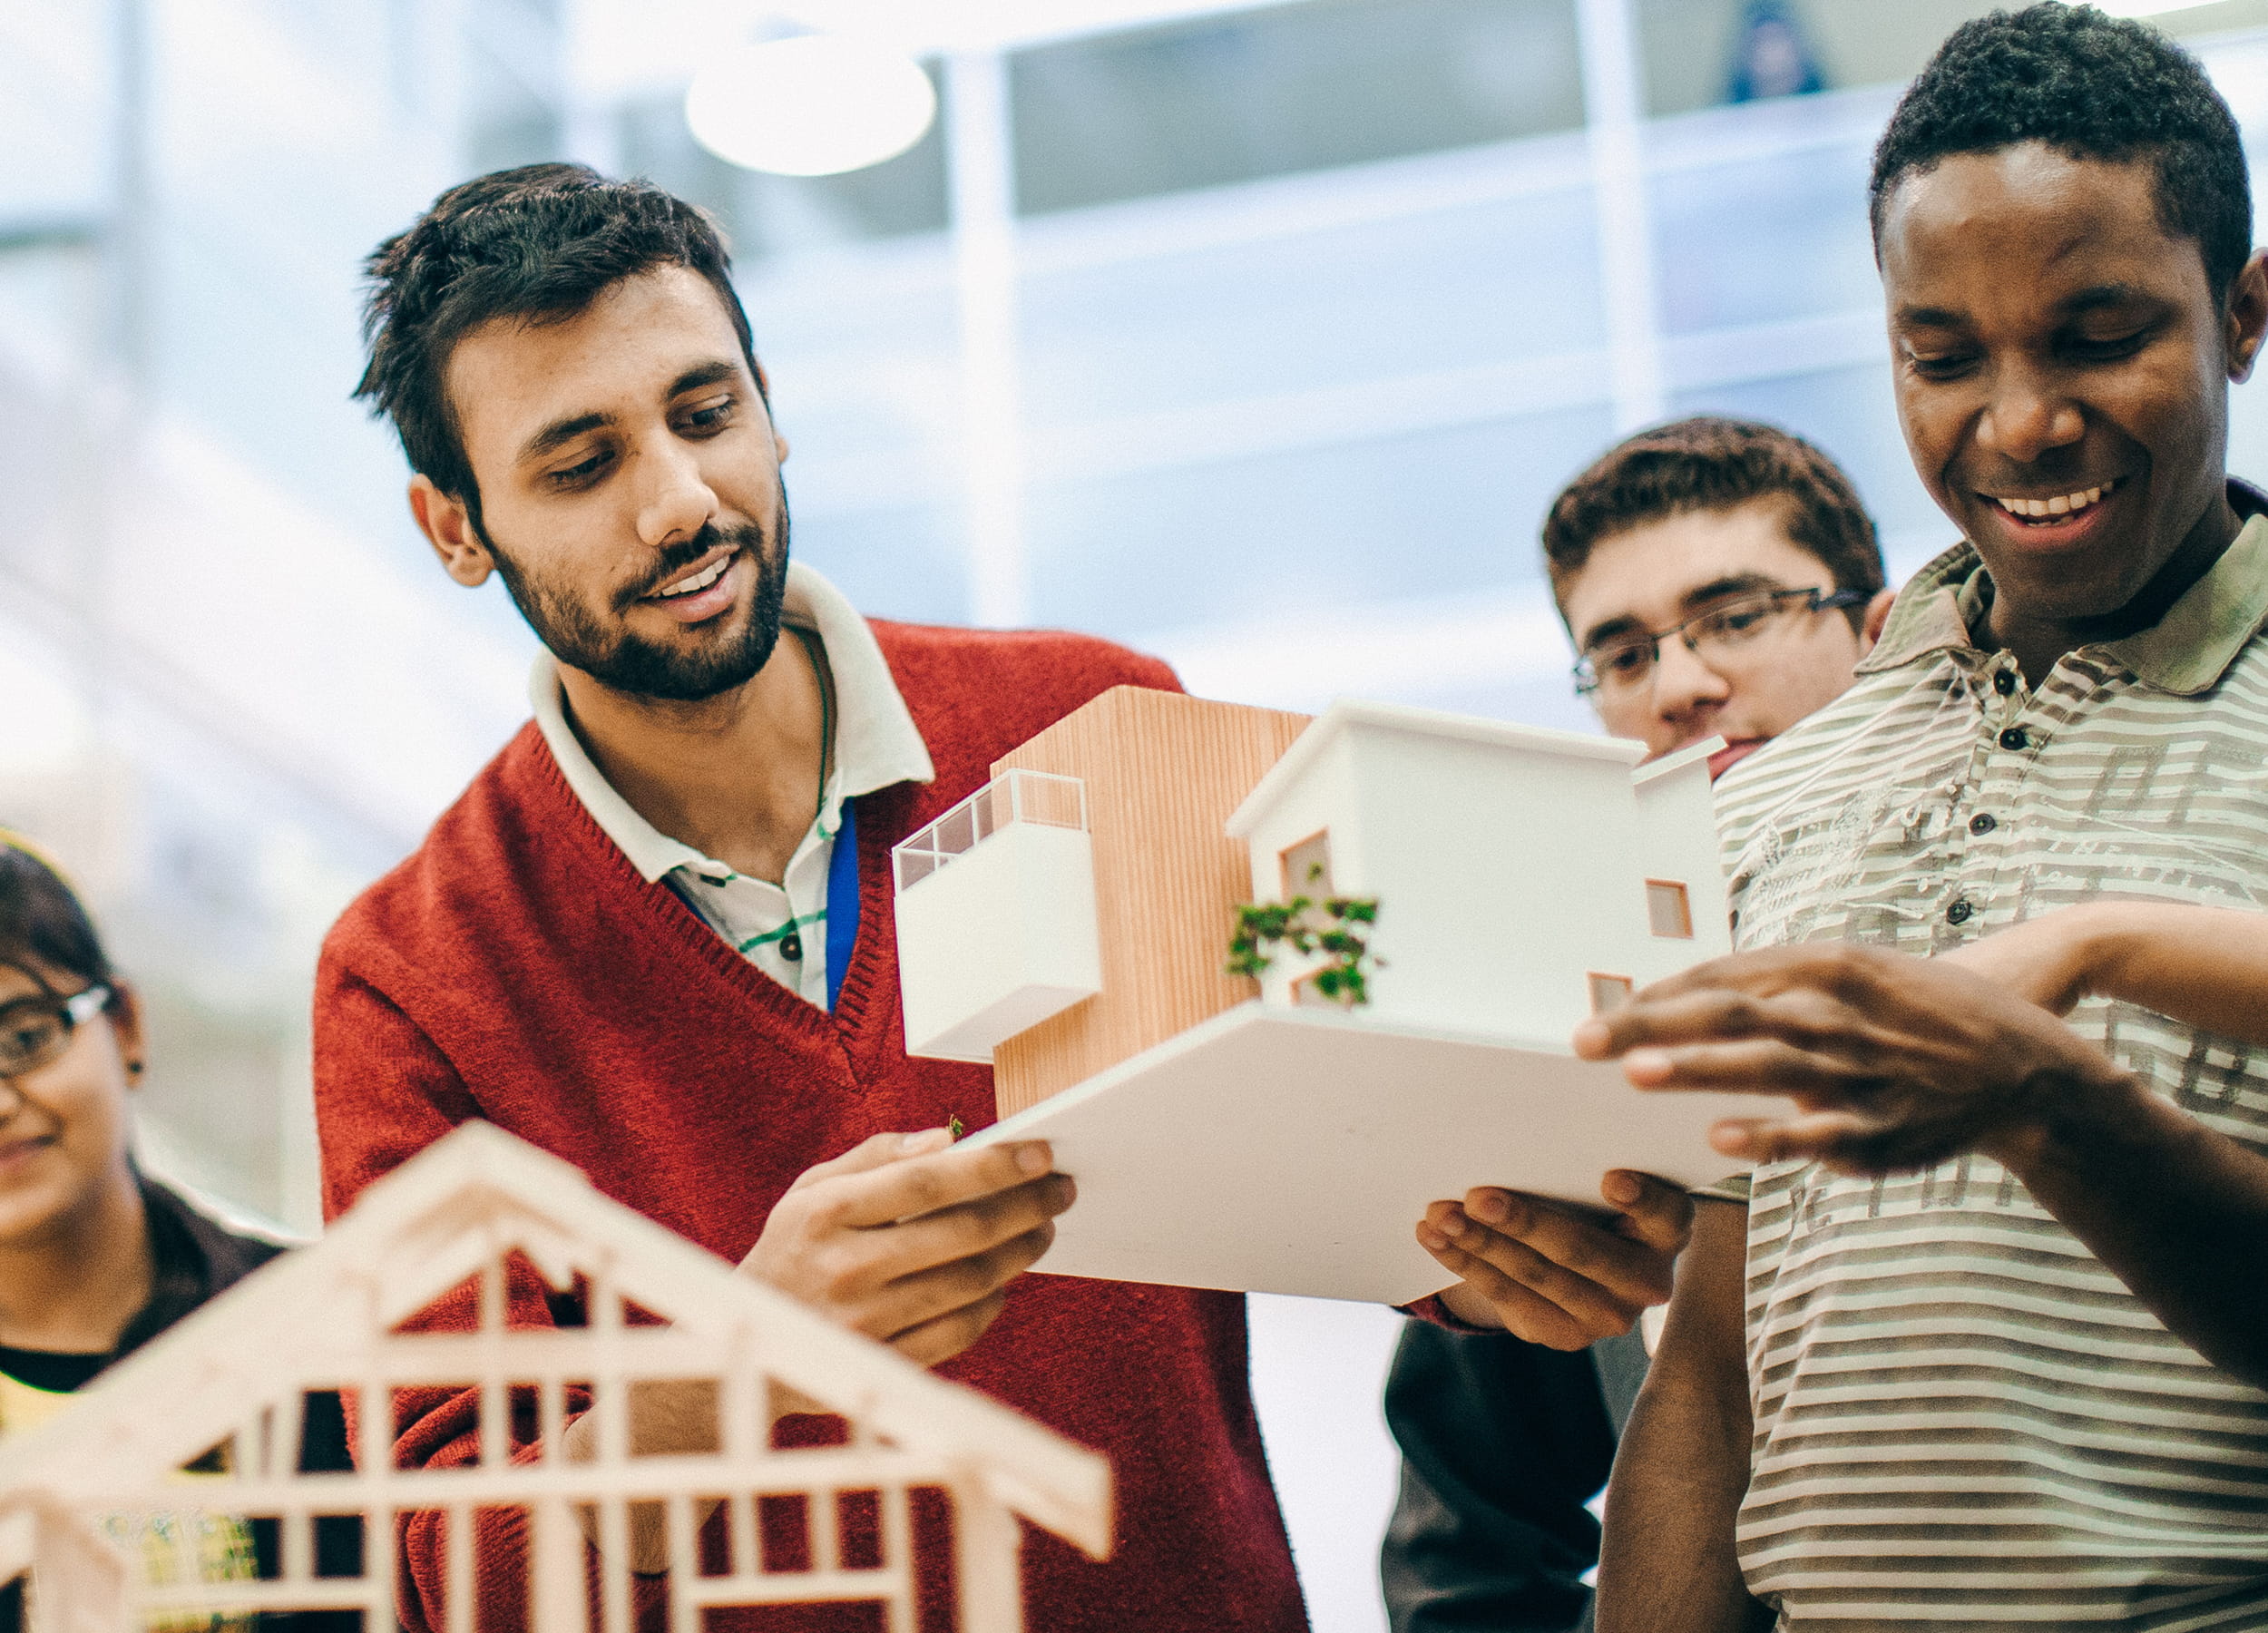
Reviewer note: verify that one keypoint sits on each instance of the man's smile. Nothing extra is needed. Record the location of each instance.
(2035, 509)
(703, 590)
(2043, 519)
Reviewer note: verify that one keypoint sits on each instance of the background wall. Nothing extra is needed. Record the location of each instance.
(1310, 308)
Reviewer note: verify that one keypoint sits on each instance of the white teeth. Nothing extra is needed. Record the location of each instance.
(700, 581)
(2062, 504)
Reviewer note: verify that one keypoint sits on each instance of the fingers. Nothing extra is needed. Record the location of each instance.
(1842, 1140)
(948, 1336)
(911, 1186)
(1655, 1212)
(953, 1304)
(1759, 1066)
(969, 1230)
(1525, 1312)
(1628, 1272)
(1552, 1262)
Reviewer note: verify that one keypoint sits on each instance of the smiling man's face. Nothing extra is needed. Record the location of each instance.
(2061, 371)
(629, 488)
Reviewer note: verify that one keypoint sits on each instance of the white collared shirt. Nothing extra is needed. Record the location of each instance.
(876, 745)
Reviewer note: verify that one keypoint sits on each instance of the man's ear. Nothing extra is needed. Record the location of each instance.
(447, 523)
(1877, 615)
(2248, 315)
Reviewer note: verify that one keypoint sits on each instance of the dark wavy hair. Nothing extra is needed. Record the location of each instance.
(44, 929)
(1711, 463)
(2092, 87)
(538, 244)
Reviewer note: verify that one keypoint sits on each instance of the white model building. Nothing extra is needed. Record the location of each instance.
(1261, 1135)
(234, 1376)
(1527, 877)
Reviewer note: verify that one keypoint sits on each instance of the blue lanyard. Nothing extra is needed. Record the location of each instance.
(842, 902)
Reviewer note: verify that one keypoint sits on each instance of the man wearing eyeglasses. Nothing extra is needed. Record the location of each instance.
(1720, 578)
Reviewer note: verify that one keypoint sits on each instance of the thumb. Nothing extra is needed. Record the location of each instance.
(1654, 1212)
(880, 1150)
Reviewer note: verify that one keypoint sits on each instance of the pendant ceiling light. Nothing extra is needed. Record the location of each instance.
(814, 105)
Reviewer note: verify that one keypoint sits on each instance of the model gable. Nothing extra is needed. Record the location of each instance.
(480, 1221)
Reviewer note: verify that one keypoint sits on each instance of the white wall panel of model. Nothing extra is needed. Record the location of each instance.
(996, 916)
(1512, 863)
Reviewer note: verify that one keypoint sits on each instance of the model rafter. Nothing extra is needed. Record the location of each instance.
(481, 1216)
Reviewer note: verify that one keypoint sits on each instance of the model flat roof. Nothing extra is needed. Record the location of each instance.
(1420, 722)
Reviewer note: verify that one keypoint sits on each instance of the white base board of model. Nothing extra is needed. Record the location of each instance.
(1274, 1150)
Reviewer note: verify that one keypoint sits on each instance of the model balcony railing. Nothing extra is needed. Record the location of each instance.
(1041, 798)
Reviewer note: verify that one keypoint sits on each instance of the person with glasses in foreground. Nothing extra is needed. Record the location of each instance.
(96, 1259)
(1720, 578)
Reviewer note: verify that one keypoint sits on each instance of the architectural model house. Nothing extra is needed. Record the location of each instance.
(1526, 878)
(1266, 1136)
(1053, 955)
(749, 1522)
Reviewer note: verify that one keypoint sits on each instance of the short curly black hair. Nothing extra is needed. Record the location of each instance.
(537, 243)
(2091, 86)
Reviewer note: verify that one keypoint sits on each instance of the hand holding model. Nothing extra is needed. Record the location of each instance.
(1545, 1272)
(912, 1243)
(1894, 1062)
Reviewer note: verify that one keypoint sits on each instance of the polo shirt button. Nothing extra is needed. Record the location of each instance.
(1959, 913)
(2014, 737)
(1982, 822)
(2005, 682)
(791, 948)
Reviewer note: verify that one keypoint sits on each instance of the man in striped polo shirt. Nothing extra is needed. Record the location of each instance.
(1988, 1344)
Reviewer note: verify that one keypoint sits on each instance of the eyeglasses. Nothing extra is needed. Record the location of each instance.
(1624, 663)
(36, 1031)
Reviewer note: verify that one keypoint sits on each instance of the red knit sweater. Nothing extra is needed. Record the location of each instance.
(516, 968)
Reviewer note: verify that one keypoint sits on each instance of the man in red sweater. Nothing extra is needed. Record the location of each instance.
(654, 935)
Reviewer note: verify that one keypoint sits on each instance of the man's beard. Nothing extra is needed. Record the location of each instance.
(630, 664)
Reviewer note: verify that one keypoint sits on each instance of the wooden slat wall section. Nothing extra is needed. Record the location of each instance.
(1163, 771)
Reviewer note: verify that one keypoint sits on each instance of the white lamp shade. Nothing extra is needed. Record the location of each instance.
(814, 105)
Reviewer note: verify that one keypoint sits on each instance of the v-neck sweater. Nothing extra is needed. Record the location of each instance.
(517, 968)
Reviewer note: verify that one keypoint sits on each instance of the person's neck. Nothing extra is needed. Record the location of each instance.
(2039, 642)
(737, 776)
(74, 1289)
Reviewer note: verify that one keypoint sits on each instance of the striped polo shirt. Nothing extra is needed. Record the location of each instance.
(780, 927)
(1962, 1419)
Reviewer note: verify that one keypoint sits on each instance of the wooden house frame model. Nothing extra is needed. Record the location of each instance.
(234, 1376)
(1257, 1136)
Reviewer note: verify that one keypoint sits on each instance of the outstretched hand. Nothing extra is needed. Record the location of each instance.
(1556, 1275)
(1894, 1062)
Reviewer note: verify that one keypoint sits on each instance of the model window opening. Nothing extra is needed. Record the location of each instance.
(1668, 910)
(1608, 992)
(1307, 868)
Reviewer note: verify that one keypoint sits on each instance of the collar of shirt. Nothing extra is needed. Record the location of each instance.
(2186, 652)
(876, 743)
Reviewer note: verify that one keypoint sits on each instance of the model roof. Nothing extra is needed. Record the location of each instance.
(311, 1319)
(1333, 722)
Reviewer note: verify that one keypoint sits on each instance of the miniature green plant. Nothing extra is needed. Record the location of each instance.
(1339, 927)
(957, 1128)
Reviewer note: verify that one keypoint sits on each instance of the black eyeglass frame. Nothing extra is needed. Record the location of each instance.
(1586, 673)
(75, 1011)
